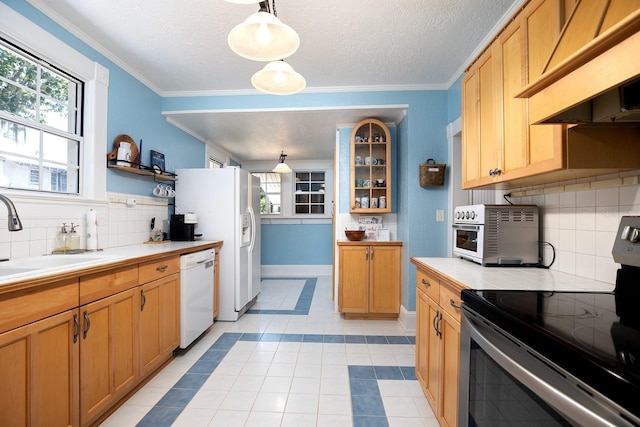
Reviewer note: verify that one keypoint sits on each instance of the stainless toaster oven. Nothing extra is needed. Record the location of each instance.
(497, 234)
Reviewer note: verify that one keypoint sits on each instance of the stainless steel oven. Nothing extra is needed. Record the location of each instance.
(497, 234)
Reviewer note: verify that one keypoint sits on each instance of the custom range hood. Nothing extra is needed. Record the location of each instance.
(593, 73)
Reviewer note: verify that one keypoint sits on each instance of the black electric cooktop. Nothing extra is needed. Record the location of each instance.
(593, 336)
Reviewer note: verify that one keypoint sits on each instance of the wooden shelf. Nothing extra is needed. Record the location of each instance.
(144, 171)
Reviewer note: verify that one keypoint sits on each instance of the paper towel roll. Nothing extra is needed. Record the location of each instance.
(92, 230)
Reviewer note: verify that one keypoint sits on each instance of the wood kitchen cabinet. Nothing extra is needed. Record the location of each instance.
(109, 357)
(499, 142)
(39, 371)
(370, 167)
(159, 312)
(438, 344)
(370, 275)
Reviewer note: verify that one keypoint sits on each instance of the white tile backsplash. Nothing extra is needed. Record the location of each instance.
(581, 218)
(118, 224)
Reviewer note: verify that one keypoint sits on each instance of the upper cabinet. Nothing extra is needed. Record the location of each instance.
(500, 144)
(370, 168)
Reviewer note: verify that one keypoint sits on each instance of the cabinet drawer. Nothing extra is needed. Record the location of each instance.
(99, 285)
(428, 284)
(153, 270)
(448, 298)
(22, 307)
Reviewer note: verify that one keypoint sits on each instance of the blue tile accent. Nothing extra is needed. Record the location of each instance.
(376, 339)
(214, 355)
(364, 387)
(367, 405)
(398, 339)
(355, 339)
(312, 338)
(250, 337)
(191, 381)
(177, 397)
(160, 417)
(292, 338)
(412, 339)
(334, 339)
(362, 372)
(304, 300)
(203, 366)
(408, 372)
(271, 337)
(388, 373)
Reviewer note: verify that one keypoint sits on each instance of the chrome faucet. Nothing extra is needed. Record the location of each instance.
(14, 222)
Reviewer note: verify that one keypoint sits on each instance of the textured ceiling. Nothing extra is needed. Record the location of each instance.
(176, 46)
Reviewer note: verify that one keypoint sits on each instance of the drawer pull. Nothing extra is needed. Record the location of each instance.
(454, 305)
(162, 269)
(424, 282)
(87, 324)
(76, 324)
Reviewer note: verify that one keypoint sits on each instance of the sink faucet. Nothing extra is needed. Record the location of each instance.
(14, 222)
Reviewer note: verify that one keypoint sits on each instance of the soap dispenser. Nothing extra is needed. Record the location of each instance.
(73, 238)
(62, 244)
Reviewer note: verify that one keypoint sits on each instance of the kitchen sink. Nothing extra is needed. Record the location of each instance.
(9, 271)
(53, 261)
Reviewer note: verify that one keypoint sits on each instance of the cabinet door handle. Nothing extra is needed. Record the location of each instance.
(454, 305)
(162, 268)
(424, 282)
(433, 323)
(144, 300)
(76, 324)
(87, 324)
(367, 254)
(438, 326)
(371, 254)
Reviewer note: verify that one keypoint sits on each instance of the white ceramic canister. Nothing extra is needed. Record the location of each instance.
(124, 154)
(382, 202)
(364, 202)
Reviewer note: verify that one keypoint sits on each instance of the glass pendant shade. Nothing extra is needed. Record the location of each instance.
(263, 37)
(278, 78)
(282, 168)
(243, 1)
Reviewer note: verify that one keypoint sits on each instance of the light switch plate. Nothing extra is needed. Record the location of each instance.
(439, 215)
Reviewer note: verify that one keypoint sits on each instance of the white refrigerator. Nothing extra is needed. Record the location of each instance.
(227, 203)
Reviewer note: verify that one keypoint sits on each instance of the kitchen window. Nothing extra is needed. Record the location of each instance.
(309, 192)
(40, 124)
(270, 193)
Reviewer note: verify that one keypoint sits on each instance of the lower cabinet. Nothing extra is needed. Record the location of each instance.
(109, 358)
(438, 344)
(39, 373)
(370, 276)
(159, 321)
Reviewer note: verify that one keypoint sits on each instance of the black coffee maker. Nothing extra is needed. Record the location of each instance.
(182, 227)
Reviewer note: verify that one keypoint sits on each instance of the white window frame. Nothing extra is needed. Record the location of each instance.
(276, 214)
(93, 173)
(310, 193)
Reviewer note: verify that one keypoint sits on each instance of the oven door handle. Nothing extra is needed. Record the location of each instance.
(465, 227)
(562, 403)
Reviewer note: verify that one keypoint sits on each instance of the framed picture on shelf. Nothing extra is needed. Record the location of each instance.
(157, 161)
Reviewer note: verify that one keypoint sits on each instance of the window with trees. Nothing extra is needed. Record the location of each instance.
(40, 124)
(270, 193)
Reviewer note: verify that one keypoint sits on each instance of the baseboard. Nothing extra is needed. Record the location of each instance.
(295, 270)
(408, 320)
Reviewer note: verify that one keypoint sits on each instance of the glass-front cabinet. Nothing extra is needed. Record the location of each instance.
(370, 168)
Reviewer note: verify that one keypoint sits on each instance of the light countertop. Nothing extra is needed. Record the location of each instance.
(475, 276)
(33, 269)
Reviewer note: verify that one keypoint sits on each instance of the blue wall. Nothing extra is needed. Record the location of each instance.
(133, 109)
(296, 244)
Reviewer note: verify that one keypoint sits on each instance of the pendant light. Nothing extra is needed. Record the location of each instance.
(278, 78)
(282, 167)
(243, 1)
(263, 37)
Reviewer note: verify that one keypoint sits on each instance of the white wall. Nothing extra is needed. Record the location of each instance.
(118, 224)
(580, 218)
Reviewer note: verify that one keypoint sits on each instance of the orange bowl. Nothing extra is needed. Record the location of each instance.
(354, 235)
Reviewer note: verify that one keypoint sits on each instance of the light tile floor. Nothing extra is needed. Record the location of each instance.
(291, 361)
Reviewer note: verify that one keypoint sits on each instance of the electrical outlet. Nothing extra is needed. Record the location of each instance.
(131, 202)
(439, 215)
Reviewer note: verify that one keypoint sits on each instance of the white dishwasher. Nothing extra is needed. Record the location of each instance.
(196, 295)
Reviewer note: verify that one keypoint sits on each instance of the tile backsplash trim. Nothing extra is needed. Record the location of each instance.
(118, 223)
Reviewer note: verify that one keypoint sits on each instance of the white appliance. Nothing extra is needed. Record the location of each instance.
(196, 295)
(227, 201)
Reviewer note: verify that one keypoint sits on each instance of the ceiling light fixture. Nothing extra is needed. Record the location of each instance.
(243, 1)
(278, 78)
(262, 36)
(282, 167)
